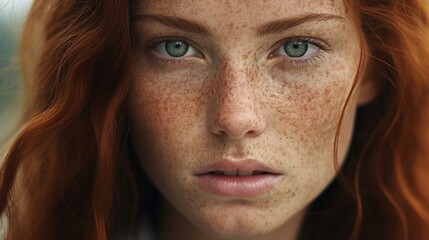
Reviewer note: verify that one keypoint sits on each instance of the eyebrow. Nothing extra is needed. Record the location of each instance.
(174, 22)
(281, 25)
(273, 27)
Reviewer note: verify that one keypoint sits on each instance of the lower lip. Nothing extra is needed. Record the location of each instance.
(238, 186)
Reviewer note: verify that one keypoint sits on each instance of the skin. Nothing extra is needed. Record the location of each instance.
(236, 98)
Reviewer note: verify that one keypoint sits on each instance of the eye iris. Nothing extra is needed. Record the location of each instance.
(176, 48)
(296, 48)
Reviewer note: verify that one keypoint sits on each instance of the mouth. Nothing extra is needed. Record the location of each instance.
(244, 179)
(247, 167)
(238, 173)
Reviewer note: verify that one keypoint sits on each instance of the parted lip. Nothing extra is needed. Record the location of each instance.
(238, 167)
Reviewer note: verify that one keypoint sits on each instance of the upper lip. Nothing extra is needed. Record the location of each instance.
(237, 167)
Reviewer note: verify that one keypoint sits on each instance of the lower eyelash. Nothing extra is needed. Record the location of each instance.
(292, 62)
(170, 61)
(167, 61)
(306, 62)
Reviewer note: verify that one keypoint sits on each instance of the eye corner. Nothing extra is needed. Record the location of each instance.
(271, 55)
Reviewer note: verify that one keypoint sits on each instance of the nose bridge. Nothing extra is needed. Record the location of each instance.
(236, 86)
(236, 112)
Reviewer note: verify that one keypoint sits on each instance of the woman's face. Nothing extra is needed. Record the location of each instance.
(234, 106)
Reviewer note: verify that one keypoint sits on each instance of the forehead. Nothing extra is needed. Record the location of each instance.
(238, 11)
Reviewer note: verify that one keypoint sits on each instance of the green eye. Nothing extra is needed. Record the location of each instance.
(295, 49)
(176, 48)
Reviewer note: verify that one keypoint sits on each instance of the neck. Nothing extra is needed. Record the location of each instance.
(173, 225)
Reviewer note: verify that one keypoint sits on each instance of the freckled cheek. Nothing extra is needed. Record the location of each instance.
(165, 118)
(311, 117)
(312, 104)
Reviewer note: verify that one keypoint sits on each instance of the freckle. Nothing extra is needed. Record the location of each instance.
(230, 26)
(326, 92)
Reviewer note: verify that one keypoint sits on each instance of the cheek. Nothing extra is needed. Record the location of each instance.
(309, 105)
(166, 122)
(306, 118)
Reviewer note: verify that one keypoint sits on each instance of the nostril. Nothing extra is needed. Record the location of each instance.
(236, 121)
(251, 133)
(236, 132)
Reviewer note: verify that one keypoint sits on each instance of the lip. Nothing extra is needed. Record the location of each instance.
(262, 182)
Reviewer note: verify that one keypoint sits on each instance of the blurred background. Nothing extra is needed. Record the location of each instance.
(12, 14)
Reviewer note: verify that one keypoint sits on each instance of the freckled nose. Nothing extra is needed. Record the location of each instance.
(235, 112)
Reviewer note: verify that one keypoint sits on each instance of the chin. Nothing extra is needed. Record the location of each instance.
(236, 231)
(238, 224)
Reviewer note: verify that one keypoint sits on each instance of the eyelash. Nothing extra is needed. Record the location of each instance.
(294, 62)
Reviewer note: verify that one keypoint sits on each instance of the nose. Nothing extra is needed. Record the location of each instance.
(236, 112)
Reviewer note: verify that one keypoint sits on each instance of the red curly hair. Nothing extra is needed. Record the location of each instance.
(68, 175)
